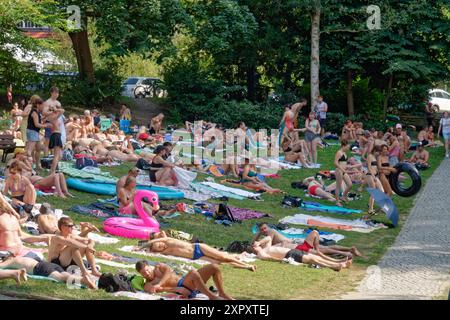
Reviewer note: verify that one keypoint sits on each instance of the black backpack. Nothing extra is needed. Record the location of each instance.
(238, 246)
(224, 213)
(293, 202)
(115, 282)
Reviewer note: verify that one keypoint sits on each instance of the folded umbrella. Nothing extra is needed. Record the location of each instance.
(386, 204)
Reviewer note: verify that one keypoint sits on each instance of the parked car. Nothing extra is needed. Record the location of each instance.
(143, 87)
(440, 100)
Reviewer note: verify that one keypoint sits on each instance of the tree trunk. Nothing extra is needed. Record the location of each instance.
(315, 54)
(82, 50)
(350, 101)
(388, 95)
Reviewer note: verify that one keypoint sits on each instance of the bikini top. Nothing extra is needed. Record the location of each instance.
(343, 158)
(20, 189)
(385, 164)
(374, 163)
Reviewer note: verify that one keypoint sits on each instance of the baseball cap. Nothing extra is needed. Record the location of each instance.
(398, 126)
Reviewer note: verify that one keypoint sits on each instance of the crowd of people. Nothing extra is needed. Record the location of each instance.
(365, 158)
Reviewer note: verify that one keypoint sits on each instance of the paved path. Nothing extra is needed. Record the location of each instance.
(417, 266)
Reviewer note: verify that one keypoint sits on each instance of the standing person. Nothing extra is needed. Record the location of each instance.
(444, 125)
(16, 117)
(372, 177)
(55, 142)
(34, 126)
(49, 103)
(156, 124)
(385, 169)
(321, 110)
(342, 177)
(429, 113)
(312, 126)
(25, 114)
(9, 95)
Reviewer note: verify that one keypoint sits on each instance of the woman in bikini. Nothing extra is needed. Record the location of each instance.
(293, 153)
(372, 177)
(318, 189)
(250, 179)
(55, 180)
(112, 152)
(312, 134)
(16, 117)
(394, 150)
(20, 188)
(161, 171)
(385, 170)
(342, 177)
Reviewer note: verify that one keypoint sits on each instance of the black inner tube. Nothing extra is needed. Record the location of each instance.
(413, 173)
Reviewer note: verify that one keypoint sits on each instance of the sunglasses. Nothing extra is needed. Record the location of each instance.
(69, 225)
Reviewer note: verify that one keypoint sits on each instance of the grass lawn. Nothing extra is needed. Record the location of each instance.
(272, 280)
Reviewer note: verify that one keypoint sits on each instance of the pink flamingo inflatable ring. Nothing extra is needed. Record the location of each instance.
(135, 228)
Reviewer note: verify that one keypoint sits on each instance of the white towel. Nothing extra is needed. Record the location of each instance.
(239, 192)
(158, 255)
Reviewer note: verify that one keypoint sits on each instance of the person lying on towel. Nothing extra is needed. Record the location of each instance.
(194, 251)
(161, 278)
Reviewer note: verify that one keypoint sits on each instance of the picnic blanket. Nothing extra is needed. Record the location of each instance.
(164, 296)
(214, 193)
(357, 225)
(69, 169)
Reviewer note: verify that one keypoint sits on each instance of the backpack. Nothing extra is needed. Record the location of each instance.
(46, 163)
(238, 246)
(115, 282)
(85, 162)
(224, 213)
(67, 155)
(293, 202)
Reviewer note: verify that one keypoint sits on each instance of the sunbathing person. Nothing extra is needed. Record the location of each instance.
(56, 180)
(67, 249)
(20, 188)
(318, 189)
(265, 231)
(161, 278)
(249, 178)
(194, 251)
(24, 162)
(277, 253)
(113, 152)
(293, 153)
(44, 269)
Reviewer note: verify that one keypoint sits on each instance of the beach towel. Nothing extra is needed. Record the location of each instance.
(114, 264)
(238, 183)
(294, 233)
(214, 193)
(92, 212)
(315, 206)
(357, 225)
(241, 214)
(240, 192)
(69, 169)
(161, 296)
(184, 177)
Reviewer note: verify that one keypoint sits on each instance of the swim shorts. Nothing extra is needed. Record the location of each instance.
(55, 141)
(312, 190)
(44, 269)
(305, 247)
(197, 252)
(297, 255)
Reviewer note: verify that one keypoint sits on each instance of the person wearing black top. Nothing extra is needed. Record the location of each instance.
(33, 127)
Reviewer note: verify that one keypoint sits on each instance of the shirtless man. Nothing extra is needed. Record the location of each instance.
(156, 124)
(51, 102)
(161, 278)
(420, 157)
(73, 128)
(67, 249)
(126, 196)
(44, 269)
(133, 172)
(276, 237)
(194, 251)
(277, 253)
(55, 142)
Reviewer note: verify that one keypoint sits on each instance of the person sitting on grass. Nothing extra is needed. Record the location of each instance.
(420, 157)
(161, 278)
(194, 251)
(126, 196)
(277, 253)
(250, 179)
(156, 124)
(44, 269)
(67, 249)
(20, 188)
(133, 172)
(265, 231)
(161, 171)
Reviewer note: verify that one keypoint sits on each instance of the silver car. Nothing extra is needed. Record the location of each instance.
(142, 87)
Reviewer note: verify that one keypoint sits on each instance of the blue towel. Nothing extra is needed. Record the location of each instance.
(315, 206)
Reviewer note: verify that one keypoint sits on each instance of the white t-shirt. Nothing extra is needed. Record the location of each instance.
(321, 107)
(63, 129)
(445, 123)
